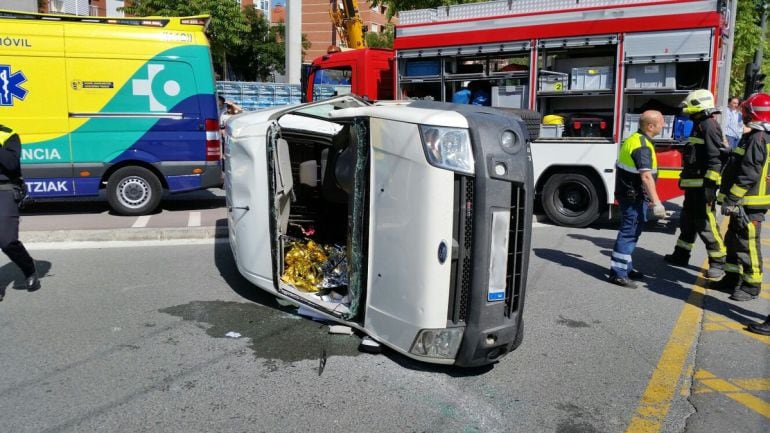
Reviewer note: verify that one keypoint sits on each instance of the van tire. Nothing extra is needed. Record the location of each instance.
(571, 200)
(133, 191)
(531, 120)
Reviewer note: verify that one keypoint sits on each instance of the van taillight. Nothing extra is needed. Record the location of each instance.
(213, 140)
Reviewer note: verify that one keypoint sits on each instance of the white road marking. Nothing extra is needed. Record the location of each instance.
(194, 220)
(141, 221)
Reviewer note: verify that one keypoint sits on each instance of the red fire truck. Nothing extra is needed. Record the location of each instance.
(589, 68)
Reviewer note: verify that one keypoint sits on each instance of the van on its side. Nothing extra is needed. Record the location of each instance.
(122, 104)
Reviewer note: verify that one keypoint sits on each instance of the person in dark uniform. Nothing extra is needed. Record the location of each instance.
(701, 174)
(10, 187)
(745, 197)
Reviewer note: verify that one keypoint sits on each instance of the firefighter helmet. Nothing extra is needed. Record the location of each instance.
(756, 108)
(698, 101)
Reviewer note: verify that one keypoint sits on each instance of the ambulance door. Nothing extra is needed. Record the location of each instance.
(33, 101)
(134, 110)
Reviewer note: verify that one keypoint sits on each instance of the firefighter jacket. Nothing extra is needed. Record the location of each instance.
(702, 156)
(636, 154)
(745, 177)
(10, 155)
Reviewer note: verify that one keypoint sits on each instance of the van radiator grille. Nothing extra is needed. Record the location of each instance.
(460, 282)
(515, 250)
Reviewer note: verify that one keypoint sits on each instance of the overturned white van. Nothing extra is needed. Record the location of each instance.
(409, 221)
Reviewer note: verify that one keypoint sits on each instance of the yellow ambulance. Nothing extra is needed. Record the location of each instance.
(121, 105)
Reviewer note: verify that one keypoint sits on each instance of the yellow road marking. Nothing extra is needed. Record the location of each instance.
(755, 384)
(735, 326)
(734, 391)
(656, 400)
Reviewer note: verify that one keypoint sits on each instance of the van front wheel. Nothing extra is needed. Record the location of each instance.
(133, 191)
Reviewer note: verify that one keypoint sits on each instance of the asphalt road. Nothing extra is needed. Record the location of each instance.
(132, 338)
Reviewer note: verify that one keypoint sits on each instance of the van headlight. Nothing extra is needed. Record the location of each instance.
(437, 343)
(448, 148)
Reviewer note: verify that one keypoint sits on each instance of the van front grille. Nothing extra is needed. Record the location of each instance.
(460, 281)
(515, 250)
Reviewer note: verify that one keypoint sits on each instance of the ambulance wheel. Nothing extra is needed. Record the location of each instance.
(133, 191)
(570, 200)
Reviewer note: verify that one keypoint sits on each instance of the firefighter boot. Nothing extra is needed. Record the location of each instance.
(678, 258)
(761, 328)
(745, 292)
(715, 272)
(728, 284)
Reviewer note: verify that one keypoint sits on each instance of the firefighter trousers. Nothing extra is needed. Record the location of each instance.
(744, 248)
(698, 218)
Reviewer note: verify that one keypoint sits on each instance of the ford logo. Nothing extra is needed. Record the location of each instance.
(442, 252)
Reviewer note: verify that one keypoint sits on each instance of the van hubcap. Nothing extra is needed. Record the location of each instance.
(133, 192)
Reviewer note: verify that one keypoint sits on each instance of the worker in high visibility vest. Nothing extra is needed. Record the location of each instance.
(745, 197)
(635, 191)
(702, 161)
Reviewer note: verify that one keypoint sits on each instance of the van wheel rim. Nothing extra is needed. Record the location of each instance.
(134, 192)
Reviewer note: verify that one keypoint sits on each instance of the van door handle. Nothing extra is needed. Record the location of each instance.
(231, 208)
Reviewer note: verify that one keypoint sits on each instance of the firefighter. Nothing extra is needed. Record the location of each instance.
(701, 170)
(10, 196)
(745, 198)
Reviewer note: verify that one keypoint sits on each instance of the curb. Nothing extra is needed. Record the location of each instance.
(127, 234)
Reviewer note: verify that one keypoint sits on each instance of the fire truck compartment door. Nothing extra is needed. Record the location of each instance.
(666, 47)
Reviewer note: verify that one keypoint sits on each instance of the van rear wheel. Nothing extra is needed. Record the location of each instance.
(133, 191)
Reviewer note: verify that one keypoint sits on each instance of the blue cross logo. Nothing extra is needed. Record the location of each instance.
(10, 85)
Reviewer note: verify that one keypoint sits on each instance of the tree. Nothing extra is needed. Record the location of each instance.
(747, 36)
(262, 51)
(381, 40)
(227, 25)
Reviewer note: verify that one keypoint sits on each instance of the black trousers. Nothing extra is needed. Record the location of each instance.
(9, 234)
(698, 219)
(744, 248)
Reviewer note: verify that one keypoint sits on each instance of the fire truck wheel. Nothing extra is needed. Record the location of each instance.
(133, 191)
(570, 200)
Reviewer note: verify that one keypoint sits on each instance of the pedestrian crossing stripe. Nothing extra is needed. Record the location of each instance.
(733, 389)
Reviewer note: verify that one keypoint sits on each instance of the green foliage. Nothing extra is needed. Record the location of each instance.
(261, 53)
(748, 36)
(381, 40)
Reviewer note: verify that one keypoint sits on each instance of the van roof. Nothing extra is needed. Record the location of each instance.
(189, 23)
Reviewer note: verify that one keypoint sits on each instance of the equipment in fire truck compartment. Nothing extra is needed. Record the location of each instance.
(591, 78)
(589, 126)
(550, 81)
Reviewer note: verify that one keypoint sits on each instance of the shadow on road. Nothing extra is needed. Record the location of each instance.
(10, 273)
(661, 278)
